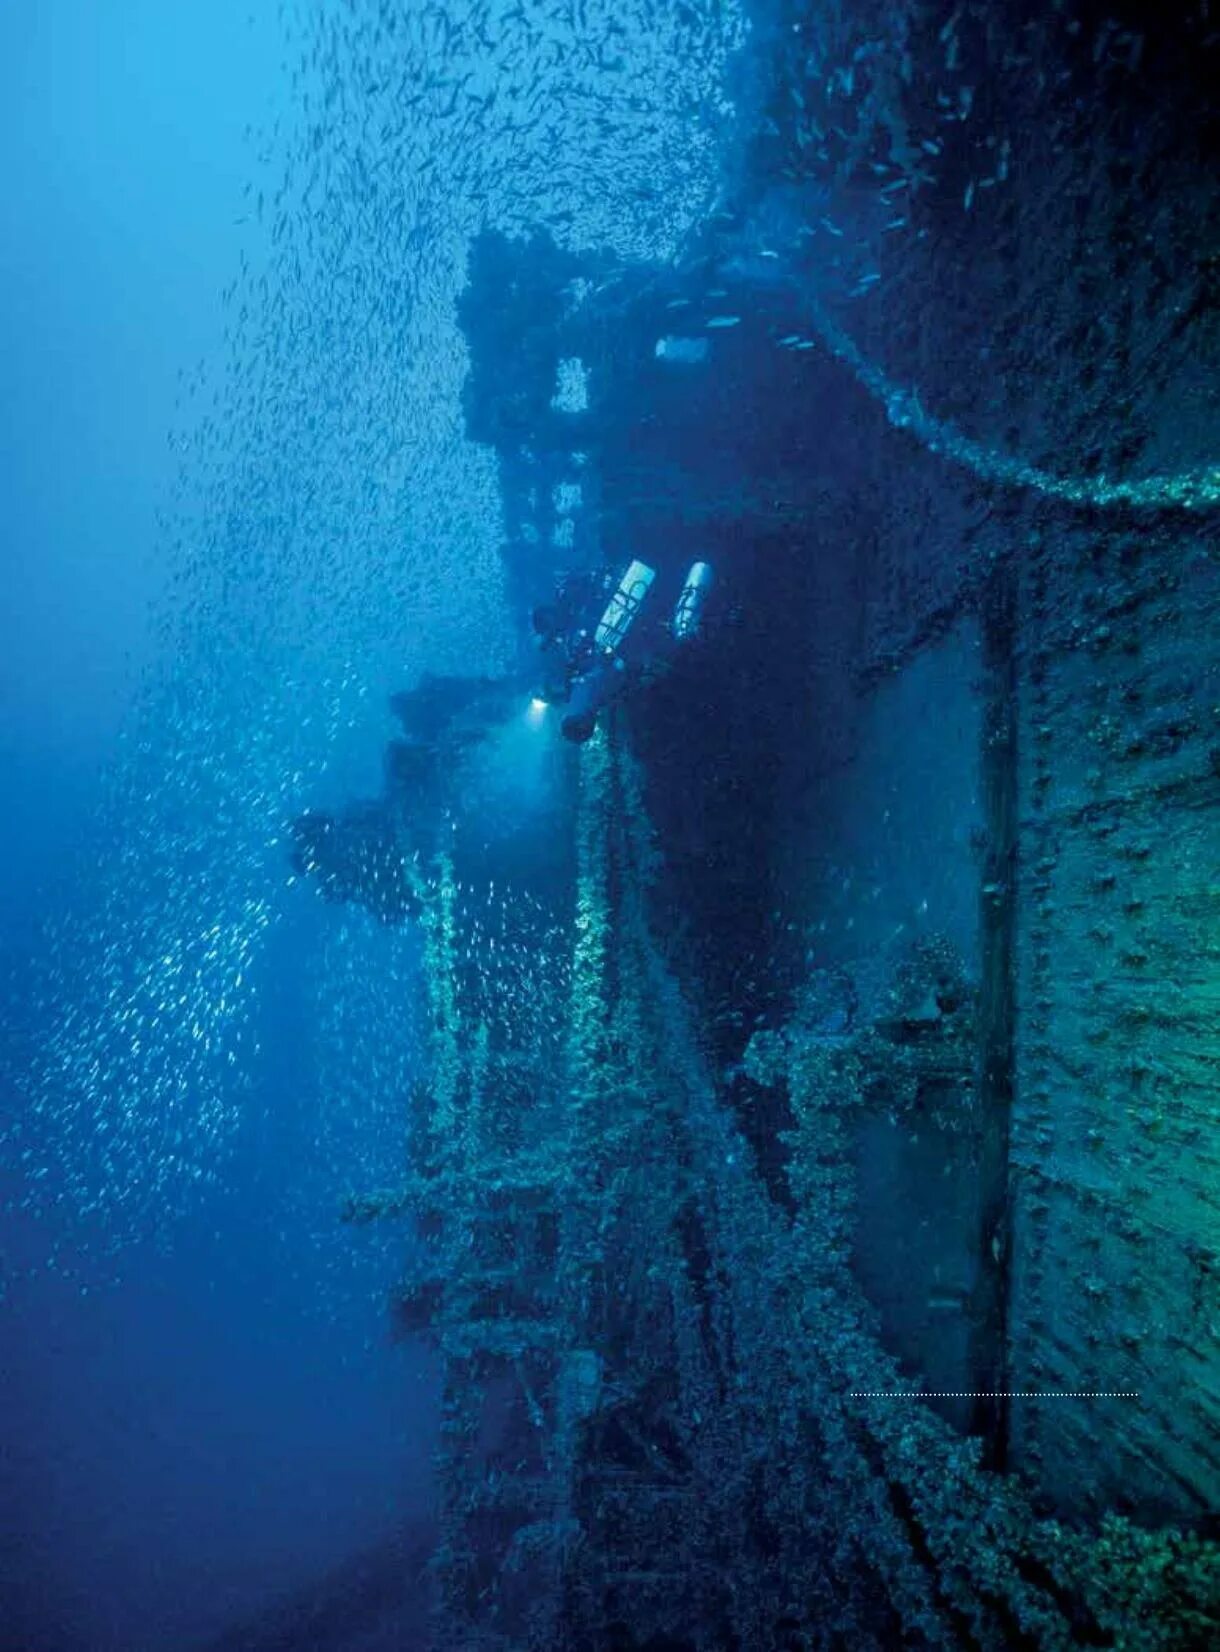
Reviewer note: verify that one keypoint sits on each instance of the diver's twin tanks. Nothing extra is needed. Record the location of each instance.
(628, 599)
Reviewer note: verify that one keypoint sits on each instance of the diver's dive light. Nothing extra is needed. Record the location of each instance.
(688, 613)
(622, 608)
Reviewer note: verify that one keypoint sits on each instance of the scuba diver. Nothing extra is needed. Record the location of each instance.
(587, 667)
(565, 641)
(593, 645)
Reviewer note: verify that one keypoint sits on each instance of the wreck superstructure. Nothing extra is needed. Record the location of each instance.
(830, 1260)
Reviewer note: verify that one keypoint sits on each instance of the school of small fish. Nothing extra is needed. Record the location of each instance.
(332, 534)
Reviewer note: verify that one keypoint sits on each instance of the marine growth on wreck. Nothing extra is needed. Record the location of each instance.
(801, 1061)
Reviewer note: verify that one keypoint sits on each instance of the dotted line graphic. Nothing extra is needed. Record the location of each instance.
(988, 1394)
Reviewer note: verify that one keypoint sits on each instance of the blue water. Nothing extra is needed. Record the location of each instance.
(202, 1409)
(264, 271)
(239, 511)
